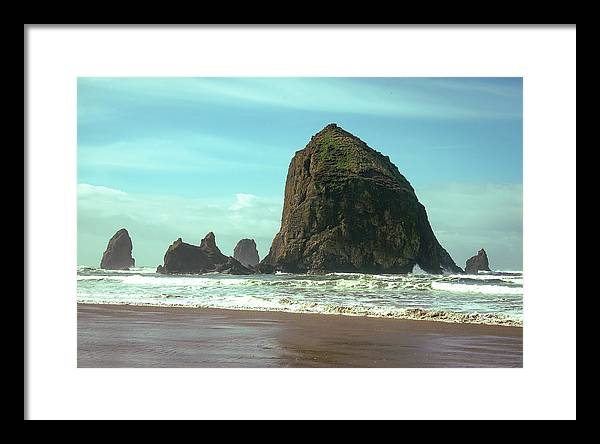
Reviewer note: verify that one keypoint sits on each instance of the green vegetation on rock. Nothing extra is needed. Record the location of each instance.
(348, 208)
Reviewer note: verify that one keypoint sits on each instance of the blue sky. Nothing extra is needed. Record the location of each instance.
(178, 157)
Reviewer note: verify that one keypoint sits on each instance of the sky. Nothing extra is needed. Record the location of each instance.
(179, 157)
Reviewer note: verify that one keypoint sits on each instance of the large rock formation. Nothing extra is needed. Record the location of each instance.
(348, 208)
(477, 263)
(186, 258)
(245, 251)
(117, 255)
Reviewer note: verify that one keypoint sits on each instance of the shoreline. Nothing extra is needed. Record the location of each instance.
(119, 335)
(430, 318)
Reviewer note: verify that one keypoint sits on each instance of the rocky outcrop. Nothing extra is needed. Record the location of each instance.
(477, 263)
(208, 245)
(117, 255)
(186, 258)
(182, 257)
(347, 208)
(264, 268)
(233, 266)
(245, 251)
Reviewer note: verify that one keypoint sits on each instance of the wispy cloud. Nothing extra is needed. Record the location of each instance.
(354, 96)
(85, 191)
(183, 152)
(481, 85)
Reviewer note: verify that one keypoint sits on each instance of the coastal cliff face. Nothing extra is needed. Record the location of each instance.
(245, 252)
(477, 262)
(186, 258)
(347, 208)
(117, 255)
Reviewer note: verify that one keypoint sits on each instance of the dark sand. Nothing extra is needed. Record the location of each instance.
(134, 336)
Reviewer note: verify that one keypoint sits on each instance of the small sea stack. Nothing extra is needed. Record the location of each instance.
(184, 258)
(246, 253)
(117, 255)
(477, 263)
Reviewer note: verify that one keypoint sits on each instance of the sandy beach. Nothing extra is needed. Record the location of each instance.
(136, 336)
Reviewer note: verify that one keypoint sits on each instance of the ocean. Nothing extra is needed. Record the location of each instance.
(494, 298)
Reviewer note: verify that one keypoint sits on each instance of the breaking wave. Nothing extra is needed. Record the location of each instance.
(471, 288)
(493, 298)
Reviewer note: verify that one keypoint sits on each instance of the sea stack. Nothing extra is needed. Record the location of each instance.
(233, 266)
(182, 257)
(477, 263)
(246, 253)
(347, 208)
(117, 255)
(208, 246)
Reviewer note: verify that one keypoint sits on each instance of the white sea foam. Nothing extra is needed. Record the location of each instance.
(409, 296)
(481, 277)
(418, 270)
(488, 277)
(253, 304)
(172, 281)
(467, 288)
(140, 270)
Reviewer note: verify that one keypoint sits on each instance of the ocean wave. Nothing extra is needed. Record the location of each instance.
(137, 270)
(488, 299)
(490, 282)
(471, 288)
(98, 278)
(252, 304)
(418, 270)
(463, 318)
(354, 283)
(485, 278)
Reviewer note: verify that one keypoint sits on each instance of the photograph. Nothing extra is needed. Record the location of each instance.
(300, 222)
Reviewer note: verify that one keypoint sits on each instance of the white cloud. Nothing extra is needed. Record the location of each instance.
(155, 221)
(243, 201)
(183, 153)
(85, 190)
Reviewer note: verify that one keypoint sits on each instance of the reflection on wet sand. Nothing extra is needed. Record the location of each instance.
(128, 336)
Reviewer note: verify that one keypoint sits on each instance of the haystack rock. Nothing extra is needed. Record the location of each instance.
(245, 251)
(117, 255)
(186, 258)
(347, 208)
(477, 263)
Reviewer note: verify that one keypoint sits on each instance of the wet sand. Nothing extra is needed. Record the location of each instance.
(134, 336)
